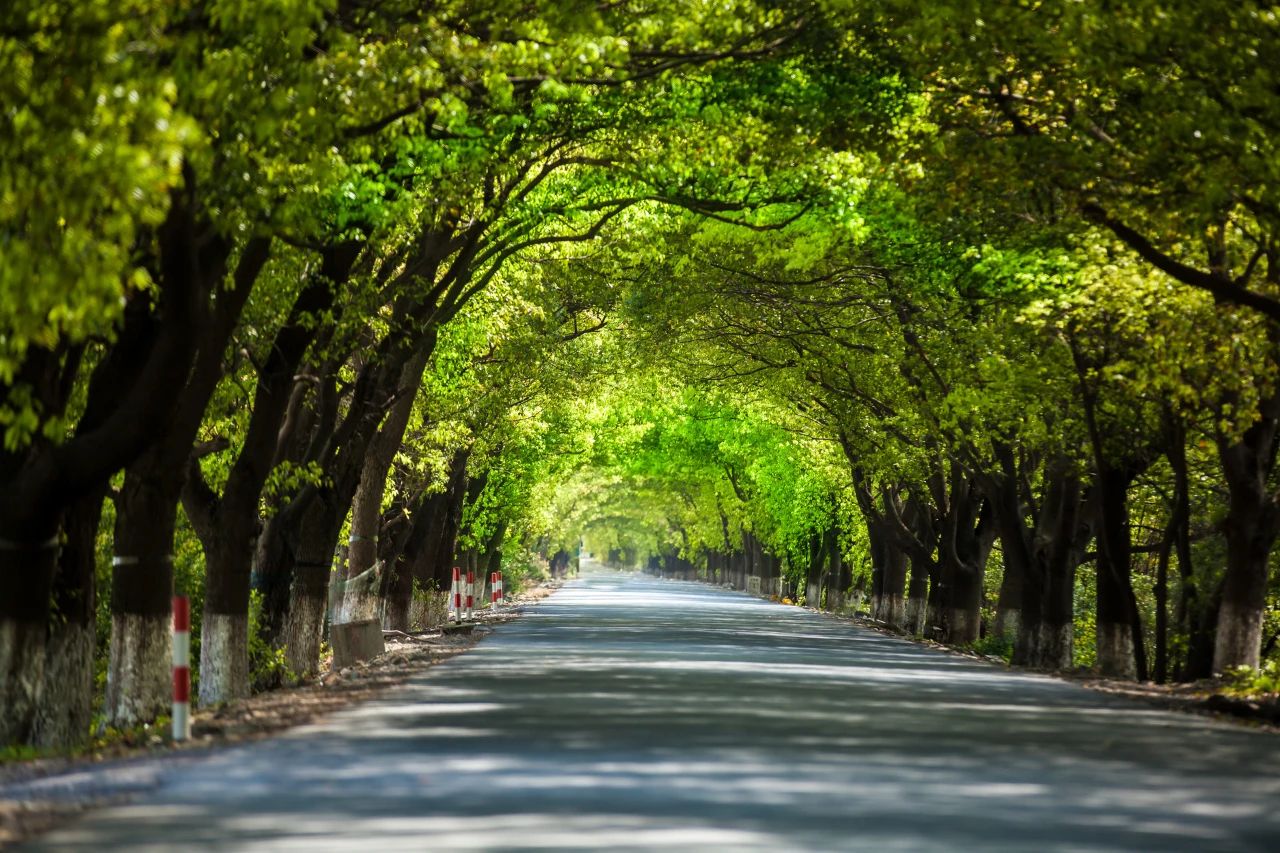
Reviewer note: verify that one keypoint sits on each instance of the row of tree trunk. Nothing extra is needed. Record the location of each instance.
(147, 398)
(929, 548)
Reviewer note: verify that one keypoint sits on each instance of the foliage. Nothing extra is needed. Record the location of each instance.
(1248, 681)
(686, 276)
(268, 665)
(994, 645)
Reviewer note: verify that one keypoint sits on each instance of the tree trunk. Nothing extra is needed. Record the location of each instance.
(964, 604)
(67, 697)
(917, 596)
(361, 601)
(879, 548)
(228, 526)
(892, 603)
(27, 569)
(1251, 525)
(295, 577)
(310, 565)
(129, 403)
(1120, 648)
(433, 564)
(1061, 542)
(1161, 592)
(934, 609)
(139, 679)
(842, 573)
(1193, 615)
(968, 535)
(1009, 600)
(1044, 555)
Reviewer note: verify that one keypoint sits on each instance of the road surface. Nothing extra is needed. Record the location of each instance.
(627, 713)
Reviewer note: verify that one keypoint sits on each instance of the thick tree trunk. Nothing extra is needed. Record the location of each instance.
(295, 577)
(67, 696)
(129, 403)
(1161, 592)
(1055, 646)
(1121, 652)
(1251, 526)
(430, 552)
(311, 547)
(917, 597)
(27, 569)
(934, 610)
(139, 685)
(361, 600)
(1120, 649)
(892, 603)
(1009, 601)
(964, 604)
(841, 573)
(813, 571)
(922, 568)
(396, 581)
(66, 702)
(1020, 607)
(1192, 613)
(228, 527)
(965, 545)
(139, 682)
(224, 627)
(1044, 555)
(879, 547)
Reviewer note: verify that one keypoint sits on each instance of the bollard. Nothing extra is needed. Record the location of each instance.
(501, 592)
(181, 668)
(493, 588)
(455, 594)
(471, 590)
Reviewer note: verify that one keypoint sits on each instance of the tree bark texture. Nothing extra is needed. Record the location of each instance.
(1251, 526)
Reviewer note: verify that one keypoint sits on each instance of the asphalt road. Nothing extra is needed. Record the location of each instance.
(626, 713)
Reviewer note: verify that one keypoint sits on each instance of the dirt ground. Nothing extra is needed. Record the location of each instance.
(23, 815)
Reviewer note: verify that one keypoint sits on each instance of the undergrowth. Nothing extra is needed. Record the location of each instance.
(1247, 681)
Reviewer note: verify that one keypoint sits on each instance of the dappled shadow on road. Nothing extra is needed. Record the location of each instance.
(633, 713)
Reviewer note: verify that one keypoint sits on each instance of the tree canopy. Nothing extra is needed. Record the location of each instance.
(962, 316)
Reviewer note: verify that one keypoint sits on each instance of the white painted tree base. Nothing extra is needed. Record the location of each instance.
(66, 700)
(1238, 641)
(140, 671)
(895, 611)
(224, 658)
(962, 627)
(1115, 651)
(1009, 623)
(916, 609)
(1051, 646)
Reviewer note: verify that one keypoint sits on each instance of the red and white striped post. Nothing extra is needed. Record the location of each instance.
(471, 591)
(181, 668)
(455, 594)
(494, 587)
(501, 592)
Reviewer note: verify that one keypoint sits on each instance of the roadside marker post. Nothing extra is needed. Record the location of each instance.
(493, 588)
(455, 594)
(502, 593)
(471, 591)
(181, 667)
